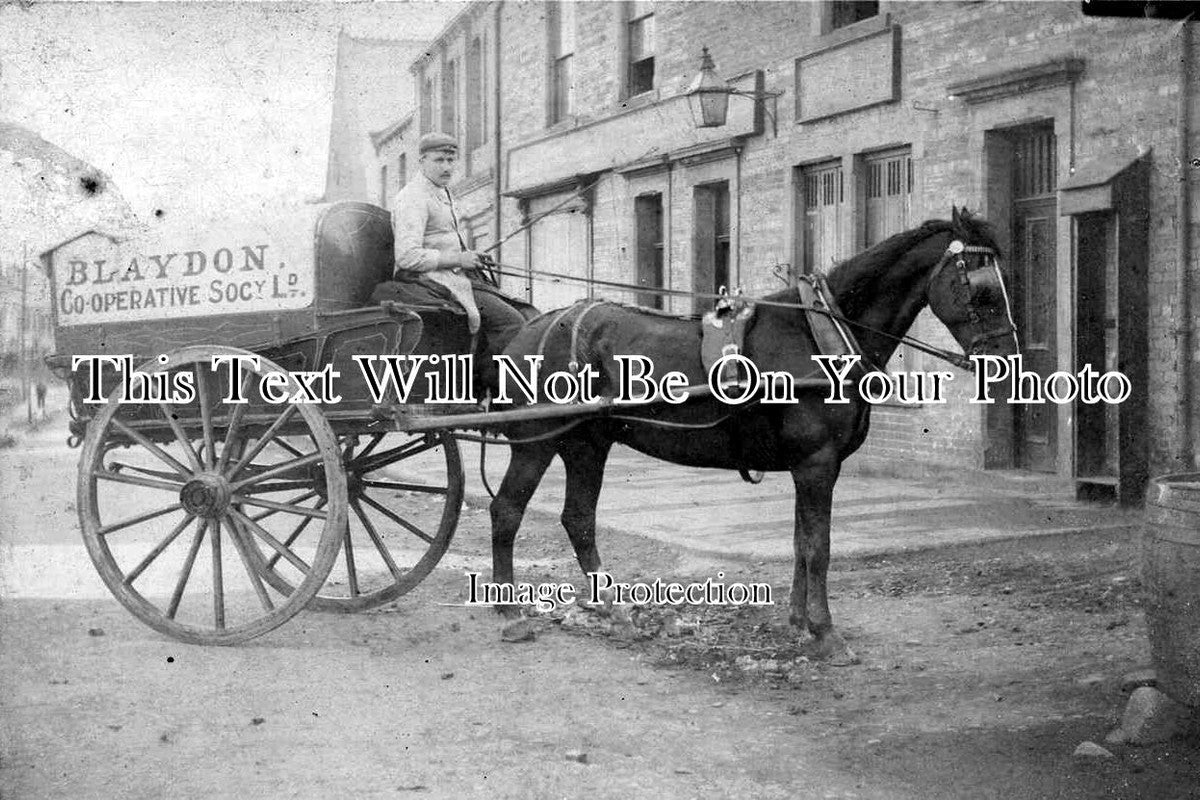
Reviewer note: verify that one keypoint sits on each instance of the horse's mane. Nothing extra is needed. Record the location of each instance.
(850, 279)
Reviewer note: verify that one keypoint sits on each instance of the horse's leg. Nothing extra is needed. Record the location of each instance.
(814, 480)
(584, 460)
(527, 463)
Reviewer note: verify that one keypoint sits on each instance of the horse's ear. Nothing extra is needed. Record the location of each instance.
(954, 218)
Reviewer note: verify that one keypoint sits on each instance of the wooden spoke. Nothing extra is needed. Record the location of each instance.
(351, 569)
(298, 499)
(375, 538)
(154, 449)
(186, 572)
(280, 469)
(257, 530)
(157, 550)
(116, 526)
(366, 451)
(218, 576)
(117, 467)
(263, 441)
(279, 507)
(387, 512)
(235, 419)
(136, 480)
(383, 459)
(407, 487)
(206, 421)
(236, 534)
(172, 419)
(280, 486)
(280, 443)
(294, 534)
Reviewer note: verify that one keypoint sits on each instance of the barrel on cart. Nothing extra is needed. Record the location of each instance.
(223, 484)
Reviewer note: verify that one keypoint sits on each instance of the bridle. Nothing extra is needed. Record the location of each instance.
(979, 280)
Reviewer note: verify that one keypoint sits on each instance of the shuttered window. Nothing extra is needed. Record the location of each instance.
(823, 196)
(888, 211)
(889, 179)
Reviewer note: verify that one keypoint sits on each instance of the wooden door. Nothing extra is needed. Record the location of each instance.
(1035, 214)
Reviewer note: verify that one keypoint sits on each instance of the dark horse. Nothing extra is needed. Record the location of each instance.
(949, 266)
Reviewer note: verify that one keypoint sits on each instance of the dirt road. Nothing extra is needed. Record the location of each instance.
(982, 670)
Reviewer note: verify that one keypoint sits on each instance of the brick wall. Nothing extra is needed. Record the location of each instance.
(1125, 100)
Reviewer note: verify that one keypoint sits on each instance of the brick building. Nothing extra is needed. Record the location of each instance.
(1068, 132)
(392, 146)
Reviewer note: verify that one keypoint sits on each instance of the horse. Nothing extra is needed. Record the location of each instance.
(950, 266)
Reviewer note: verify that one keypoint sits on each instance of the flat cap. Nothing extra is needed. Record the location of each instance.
(437, 141)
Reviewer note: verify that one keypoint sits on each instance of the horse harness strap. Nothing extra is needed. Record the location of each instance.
(723, 333)
(583, 307)
(825, 319)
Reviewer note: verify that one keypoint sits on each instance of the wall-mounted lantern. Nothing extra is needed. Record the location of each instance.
(708, 96)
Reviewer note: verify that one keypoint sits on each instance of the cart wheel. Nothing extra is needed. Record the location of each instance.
(159, 483)
(405, 494)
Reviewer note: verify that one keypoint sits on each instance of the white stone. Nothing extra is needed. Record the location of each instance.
(1092, 750)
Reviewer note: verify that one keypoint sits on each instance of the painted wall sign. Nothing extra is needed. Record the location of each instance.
(234, 269)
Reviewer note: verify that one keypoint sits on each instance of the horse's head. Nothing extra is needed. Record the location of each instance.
(967, 291)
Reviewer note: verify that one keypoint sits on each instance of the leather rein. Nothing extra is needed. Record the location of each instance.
(970, 277)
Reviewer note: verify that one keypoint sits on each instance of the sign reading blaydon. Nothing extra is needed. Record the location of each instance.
(243, 269)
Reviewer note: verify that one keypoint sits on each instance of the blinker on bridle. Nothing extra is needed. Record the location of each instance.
(978, 280)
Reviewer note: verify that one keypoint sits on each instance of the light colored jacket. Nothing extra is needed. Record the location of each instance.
(425, 225)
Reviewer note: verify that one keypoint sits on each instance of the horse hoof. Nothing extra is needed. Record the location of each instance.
(845, 658)
(520, 631)
(832, 650)
(508, 611)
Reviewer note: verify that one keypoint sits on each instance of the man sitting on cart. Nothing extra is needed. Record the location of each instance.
(430, 247)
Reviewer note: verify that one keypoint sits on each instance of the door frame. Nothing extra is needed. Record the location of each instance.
(995, 160)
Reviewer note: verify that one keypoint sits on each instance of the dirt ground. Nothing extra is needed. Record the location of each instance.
(982, 670)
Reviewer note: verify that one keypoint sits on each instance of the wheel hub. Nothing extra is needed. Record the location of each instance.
(205, 495)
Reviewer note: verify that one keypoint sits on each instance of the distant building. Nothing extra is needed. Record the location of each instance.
(394, 146)
(1064, 130)
(371, 90)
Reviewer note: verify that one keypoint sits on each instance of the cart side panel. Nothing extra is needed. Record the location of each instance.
(245, 284)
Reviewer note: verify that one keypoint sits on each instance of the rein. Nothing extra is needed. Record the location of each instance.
(960, 361)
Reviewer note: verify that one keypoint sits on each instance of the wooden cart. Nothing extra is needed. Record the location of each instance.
(215, 521)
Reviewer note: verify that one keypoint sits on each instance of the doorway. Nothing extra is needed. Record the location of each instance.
(1034, 268)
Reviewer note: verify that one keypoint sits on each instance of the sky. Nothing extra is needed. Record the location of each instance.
(198, 109)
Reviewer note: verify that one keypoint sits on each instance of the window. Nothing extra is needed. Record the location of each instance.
(426, 105)
(710, 242)
(402, 171)
(383, 187)
(450, 98)
(476, 100)
(562, 53)
(888, 211)
(848, 12)
(640, 35)
(823, 194)
(648, 211)
(889, 178)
